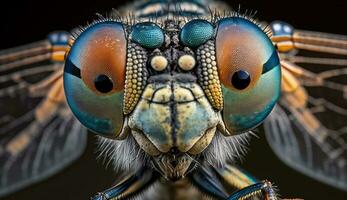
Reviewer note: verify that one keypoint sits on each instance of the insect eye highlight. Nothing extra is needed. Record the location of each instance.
(241, 79)
(103, 83)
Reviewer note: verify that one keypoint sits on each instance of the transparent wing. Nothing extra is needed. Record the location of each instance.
(308, 128)
(38, 134)
(322, 160)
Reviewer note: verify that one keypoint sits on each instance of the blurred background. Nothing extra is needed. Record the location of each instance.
(27, 21)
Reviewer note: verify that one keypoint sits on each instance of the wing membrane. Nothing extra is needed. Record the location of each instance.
(308, 128)
(38, 134)
(321, 158)
(39, 150)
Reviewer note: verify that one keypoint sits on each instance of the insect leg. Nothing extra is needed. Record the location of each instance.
(44, 112)
(130, 186)
(24, 55)
(52, 49)
(20, 64)
(293, 76)
(221, 182)
(247, 186)
(236, 177)
(332, 62)
(208, 180)
(256, 190)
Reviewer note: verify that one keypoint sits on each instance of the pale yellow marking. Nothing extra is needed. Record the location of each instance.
(295, 69)
(148, 92)
(161, 113)
(145, 144)
(196, 90)
(297, 98)
(159, 63)
(49, 106)
(235, 177)
(203, 142)
(289, 82)
(184, 119)
(18, 143)
(182, 94)
(44, 111)
(186, 62)
(162, 95)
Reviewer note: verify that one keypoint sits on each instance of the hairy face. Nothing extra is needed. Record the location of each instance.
(172, 94)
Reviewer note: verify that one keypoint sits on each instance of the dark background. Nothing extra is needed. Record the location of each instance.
(27, 21)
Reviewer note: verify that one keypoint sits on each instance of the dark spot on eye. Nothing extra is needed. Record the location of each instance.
(103, 83)
(241, 79)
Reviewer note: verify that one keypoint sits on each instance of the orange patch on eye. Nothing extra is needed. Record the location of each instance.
(238, 49)
(105, 53)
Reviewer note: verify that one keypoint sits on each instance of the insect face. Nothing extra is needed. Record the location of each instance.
(172, 86)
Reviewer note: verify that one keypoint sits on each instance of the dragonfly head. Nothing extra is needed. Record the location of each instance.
(175, 88)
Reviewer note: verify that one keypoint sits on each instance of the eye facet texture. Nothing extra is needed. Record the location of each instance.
(196, 32)
(249, 71)
(148, 35)
(94, 77)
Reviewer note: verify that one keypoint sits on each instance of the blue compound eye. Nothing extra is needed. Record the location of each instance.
(94, 78)
(282, 29)
(196, 33)
(249, 72)
(59, 38)
(148, 35)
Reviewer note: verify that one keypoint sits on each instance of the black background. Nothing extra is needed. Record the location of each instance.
(27, 21)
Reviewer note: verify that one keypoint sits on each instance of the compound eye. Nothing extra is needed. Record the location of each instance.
(94, 77)
(148, 35)
(196, 32)
(249, 71)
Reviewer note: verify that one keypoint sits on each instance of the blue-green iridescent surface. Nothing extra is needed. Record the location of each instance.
(196, 33)
(101, 113)
(242, 45)
(92, 110)
(248, 109)
(147, 34)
